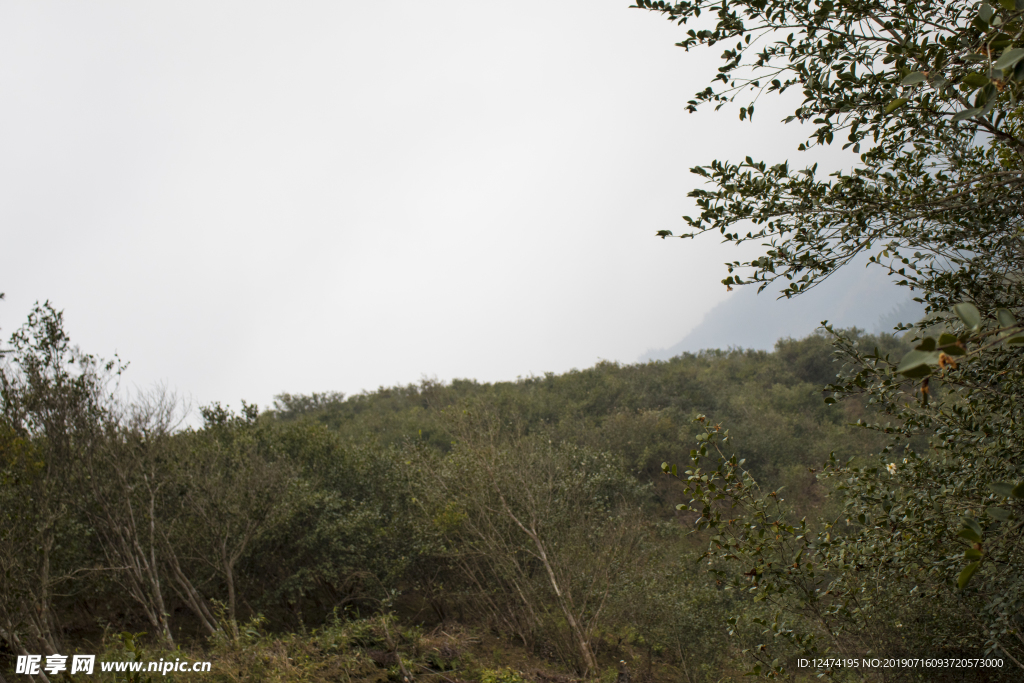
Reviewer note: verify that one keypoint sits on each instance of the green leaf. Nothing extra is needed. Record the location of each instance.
(1008, 5)
(969, 535)
(913, 78)
(895, 104)
(1002, 489)
(985, 12)
(946, 339)
(972, 554)
(969, 314)
(987, 99)
(1006, 318)
(999, 513)
(917, 363)
(1018, 491)
(976, 80)
(966, 574)
(973, 525)
(1009, 59)
(927, 344)
(1015, 341)
(966, 114)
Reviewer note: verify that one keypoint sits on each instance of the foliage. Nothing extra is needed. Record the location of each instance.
(946, 510)
(352, 528)
(543, 532)
(505, 675)
(233, 482)
(127, 647)
(124, 500)
(935, 196)
(931, 91)
(389, 500)
(679, 615)
(836, 586)
(53, 400)
(637, 412)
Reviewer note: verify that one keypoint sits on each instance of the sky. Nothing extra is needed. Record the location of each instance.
(248, 198)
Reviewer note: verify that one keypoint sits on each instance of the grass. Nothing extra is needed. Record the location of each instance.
(377, 649)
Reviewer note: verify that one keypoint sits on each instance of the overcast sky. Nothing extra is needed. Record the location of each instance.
(247, 198)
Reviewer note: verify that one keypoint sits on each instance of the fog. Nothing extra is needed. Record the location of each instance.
(247, 198)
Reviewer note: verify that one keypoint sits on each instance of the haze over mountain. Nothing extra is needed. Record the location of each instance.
(854, 297)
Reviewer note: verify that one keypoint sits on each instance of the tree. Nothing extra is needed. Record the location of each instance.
(934, 197)
(352, 527)
(126, 482)
(545, 533)
(233, 485)
(927, 95)
(55, 402)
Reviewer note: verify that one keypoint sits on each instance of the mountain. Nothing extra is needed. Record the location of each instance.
(854, 297)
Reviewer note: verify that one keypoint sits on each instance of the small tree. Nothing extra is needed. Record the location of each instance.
(55, 404)
(127, 483)
(544, 532)
(232, 483)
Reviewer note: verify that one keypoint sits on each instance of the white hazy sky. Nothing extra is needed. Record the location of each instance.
(245, 198)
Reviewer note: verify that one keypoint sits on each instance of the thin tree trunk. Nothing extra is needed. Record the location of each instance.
(44, 614)
(139, 567)
(154, 572)
(581, 640)
(227, 564)
(190, 595)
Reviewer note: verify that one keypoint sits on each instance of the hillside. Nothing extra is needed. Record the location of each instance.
(533, 515)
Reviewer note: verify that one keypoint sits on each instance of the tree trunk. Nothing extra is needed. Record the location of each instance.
(581, 639)
(228, 566)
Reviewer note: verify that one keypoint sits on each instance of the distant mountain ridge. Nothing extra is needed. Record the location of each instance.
(853, 297)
